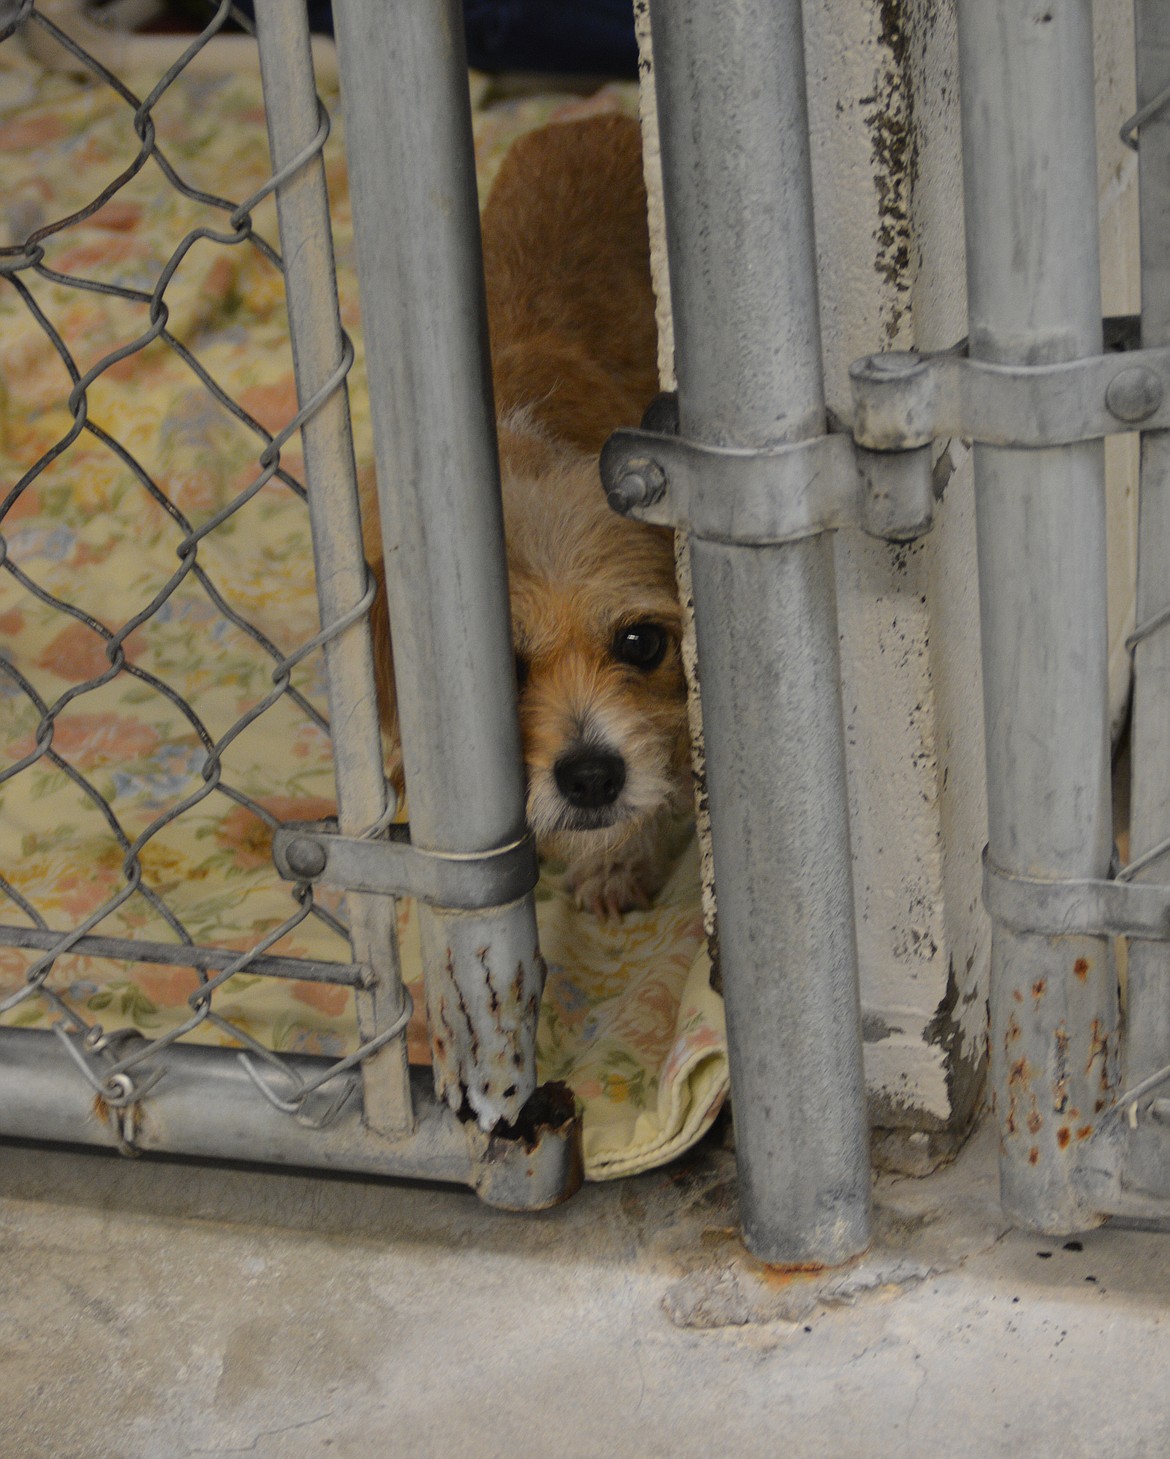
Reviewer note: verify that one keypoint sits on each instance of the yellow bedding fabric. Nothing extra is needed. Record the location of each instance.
(628, 1017)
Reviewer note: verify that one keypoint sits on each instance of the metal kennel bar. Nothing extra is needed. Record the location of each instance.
(295, 117)
(734, 134)
(1029, 161)
(416, 229)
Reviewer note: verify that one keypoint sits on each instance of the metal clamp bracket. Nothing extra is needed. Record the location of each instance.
(391, 866)
(772, 495)
(902, 401)
(880, 479)
(1060, 908)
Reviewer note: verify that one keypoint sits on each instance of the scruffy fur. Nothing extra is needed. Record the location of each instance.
(571, 316)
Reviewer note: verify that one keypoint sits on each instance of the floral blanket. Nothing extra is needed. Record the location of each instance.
(628, 1018)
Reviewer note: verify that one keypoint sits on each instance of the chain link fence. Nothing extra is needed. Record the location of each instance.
(203, 887)
(52, 745)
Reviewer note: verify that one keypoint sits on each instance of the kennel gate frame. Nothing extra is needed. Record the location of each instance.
(829, 1220)
(822, 1215)
(1029, 158)
(1036, 391)
(474, 854)
(1054, 912)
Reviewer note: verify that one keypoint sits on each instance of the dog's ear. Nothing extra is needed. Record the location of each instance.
(380, 628)
(563, 390)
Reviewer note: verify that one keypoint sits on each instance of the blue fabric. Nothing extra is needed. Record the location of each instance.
(583, 37)
(565, 37)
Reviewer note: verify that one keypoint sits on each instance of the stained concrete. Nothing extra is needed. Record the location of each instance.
(155, 1309)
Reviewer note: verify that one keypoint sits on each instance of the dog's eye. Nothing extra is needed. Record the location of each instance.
(642, 645)
(521, 671)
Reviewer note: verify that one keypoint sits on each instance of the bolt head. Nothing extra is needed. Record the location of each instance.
(305, 857)
(641, 484)
(1134, 394)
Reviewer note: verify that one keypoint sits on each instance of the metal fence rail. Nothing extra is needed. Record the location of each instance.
(257, 1104)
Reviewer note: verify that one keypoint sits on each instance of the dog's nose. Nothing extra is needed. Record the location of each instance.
(590, 779)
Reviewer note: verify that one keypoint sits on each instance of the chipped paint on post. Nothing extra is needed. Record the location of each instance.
(1054, 1067)
(420, 270)
(888, 114)
(889, 236)
(541, 1151)
(485, 975)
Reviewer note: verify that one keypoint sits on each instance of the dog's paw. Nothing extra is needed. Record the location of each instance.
(610, 889)
(610, 878)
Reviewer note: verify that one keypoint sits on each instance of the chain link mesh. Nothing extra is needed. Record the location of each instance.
(121, 1066)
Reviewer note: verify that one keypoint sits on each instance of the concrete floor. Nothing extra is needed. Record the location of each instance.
(157, 1309)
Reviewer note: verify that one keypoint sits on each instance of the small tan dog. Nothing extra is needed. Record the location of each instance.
(595, 614)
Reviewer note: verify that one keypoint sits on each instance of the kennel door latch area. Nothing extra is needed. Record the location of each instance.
(903, 400)
(773, 495)
(392, 866)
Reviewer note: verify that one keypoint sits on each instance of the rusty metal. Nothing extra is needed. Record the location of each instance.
(1045, 380)
(205, 1104)
(542, 1152)
(141, 1093)
(1030, 191)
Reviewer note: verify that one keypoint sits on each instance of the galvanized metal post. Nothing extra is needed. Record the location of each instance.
(1148, 1025)
(416, 225)
(738, 195)
(1029, 162)
(294, 119)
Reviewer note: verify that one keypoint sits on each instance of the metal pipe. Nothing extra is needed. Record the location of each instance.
(1029, 164)
(738, 194)
(1148, 1023)
(206, 1104)
(416, 227)
(294, 118)
(186, 955)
